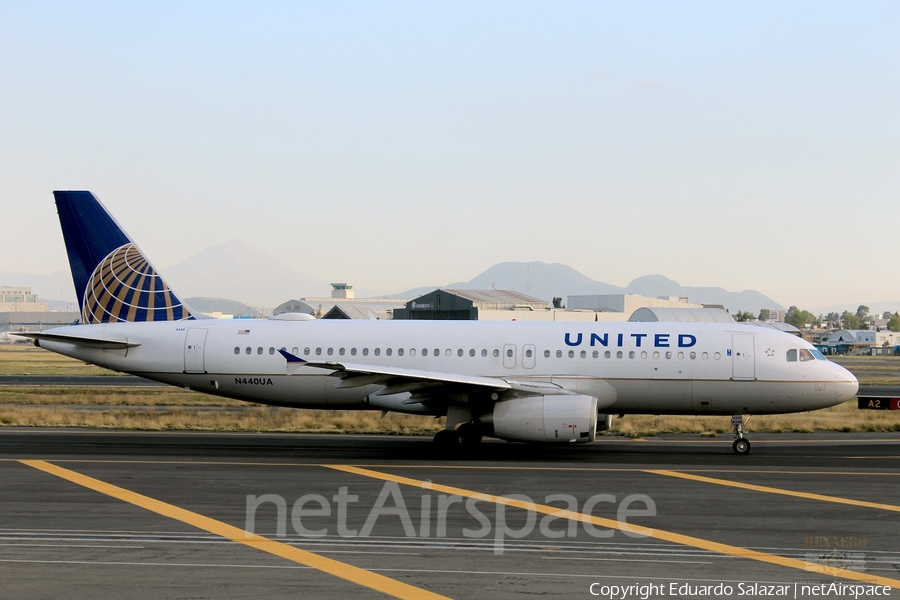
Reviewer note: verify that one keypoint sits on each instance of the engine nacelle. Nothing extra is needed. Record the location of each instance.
(557, 418)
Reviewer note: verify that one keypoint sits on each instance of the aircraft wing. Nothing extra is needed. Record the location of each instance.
(80, 340)
(420, 383)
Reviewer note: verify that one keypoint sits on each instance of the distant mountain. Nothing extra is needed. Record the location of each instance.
(221, 305)
(537, 279)
(545, 281)
(657, 285)
(875, 308)
(240, 272)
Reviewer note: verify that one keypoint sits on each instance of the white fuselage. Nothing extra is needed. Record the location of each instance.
(659, 368)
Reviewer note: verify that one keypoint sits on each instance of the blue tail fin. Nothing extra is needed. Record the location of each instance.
(113, 280)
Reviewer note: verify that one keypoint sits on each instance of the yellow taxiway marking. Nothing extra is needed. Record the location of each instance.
(222, 463)
(659, 534)
(355, 575)
(772, 490)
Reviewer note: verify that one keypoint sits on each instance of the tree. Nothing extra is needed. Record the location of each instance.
(557, 302)
(850, 320)
(799, 318)
(862, 313)
(764, 314)
(742, 316)
(894, 323)
(834, 320)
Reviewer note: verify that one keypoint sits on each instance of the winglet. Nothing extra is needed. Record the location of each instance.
(294, 362)
(291, 358)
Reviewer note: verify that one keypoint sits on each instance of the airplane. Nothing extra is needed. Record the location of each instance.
(547, 382)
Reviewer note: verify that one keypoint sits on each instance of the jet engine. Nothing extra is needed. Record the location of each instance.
(556, 418)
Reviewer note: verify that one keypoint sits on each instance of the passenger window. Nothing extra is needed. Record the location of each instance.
(352, 351)
(606, 354)
(424, 351)
(377, 351)
(448, 352)
(294, 351)
(341, 351)
(792, 355)
(668, 354)
(583, 354)
(237, 350)
(459, 352)
(259, 350)
(559, 354)
(472, 352)
(248, 350)
(271, 350)
(717, 355)
(318, 352)
(305, 351)
(571, 354)
(412, 351)
(509, 353)
(496, 353)
(705, 355)
(437, 352)
(528, 353)
(619, 354)
(546, 354)
(655, 355)
(644, 354)
(389, 351)
(631, 354)
(484, 353)
(365, 351)
(806, 355)
(693, 356)
(330, 351)
(595, 354)
(680, 355)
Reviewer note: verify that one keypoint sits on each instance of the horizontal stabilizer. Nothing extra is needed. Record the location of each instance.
(79, 340)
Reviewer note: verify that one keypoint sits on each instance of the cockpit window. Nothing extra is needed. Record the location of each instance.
(804, 355)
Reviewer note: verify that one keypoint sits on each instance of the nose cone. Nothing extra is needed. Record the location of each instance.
(845, 382)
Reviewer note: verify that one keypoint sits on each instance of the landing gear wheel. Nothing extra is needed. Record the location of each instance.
(468, 434)
(741, 446)
(446, 443)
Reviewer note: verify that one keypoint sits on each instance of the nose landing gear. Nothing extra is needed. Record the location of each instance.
(741, 444)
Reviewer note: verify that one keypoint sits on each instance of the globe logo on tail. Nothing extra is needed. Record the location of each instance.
(126, 287)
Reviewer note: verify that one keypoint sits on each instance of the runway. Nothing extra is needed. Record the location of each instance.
(164, 515)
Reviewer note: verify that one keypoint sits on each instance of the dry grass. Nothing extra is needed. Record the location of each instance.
(251, 418)
(844, 417)
(28, 360)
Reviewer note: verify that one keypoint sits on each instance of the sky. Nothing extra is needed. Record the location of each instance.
(745, 145)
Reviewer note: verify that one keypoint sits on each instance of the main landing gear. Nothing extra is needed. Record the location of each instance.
(741, 444)
(450, 443)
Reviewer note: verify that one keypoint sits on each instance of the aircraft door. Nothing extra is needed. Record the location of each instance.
(509, 356)
(743, 362)
(194, 349)
(528, 353)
